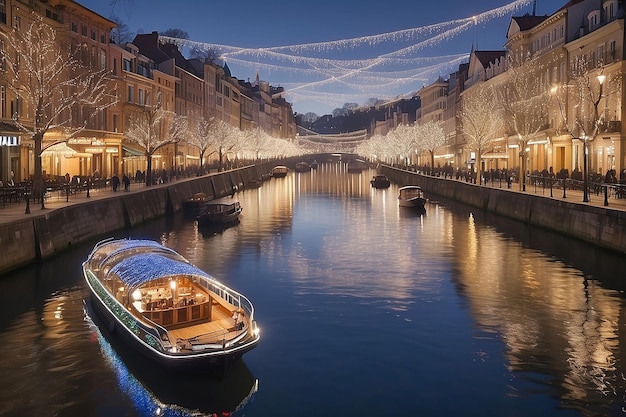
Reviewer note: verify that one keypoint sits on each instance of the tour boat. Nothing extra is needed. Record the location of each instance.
(279, 171)
(380, 181)
(219, 213)
(411, 196)
(166, 308)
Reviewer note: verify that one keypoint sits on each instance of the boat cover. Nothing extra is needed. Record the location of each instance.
(137, 269)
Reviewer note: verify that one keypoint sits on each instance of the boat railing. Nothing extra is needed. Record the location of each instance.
(230, 295)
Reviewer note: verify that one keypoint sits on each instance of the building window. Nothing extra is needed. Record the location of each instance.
(127, 66)
(103, 38)
(114, 66)
(103, 59)
(3, 102)
(594, 20)
(609, 10)
(131, 94)
(115, 123)
(141, 97)
(83, 30)
(3, 11)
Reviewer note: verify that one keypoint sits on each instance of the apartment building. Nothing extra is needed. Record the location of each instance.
(563, 77)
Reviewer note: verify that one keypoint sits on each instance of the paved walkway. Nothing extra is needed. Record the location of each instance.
(15, 211)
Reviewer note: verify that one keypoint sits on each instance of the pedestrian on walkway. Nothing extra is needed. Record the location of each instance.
(126, 182)
(115, 182)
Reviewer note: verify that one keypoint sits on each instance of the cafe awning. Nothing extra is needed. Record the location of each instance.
(130, 151)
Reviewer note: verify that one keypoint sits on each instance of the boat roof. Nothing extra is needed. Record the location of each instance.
(141, 268)
(143, 261)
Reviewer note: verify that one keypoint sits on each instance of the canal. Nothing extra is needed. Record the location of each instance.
(365, 309)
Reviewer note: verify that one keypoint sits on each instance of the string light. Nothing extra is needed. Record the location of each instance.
(317, 72)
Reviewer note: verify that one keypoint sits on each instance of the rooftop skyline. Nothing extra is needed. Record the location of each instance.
(327, 53)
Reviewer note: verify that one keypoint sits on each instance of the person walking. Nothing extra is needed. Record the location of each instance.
(115, 182)
(126, 182)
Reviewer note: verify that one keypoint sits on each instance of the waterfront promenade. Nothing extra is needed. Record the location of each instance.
(15, 211)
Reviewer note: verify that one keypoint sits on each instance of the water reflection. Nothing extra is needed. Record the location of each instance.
(155, 392)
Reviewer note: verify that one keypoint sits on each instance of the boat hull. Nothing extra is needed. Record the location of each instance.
(219, 214)
(216, 363)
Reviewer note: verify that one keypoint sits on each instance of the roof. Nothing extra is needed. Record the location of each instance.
(528, 22)
(143, 261)
(489, 57)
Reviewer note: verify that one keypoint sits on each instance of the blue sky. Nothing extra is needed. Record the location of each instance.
(321, 77)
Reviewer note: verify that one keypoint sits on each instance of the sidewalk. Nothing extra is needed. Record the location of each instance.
(16, 211)
(571, 196)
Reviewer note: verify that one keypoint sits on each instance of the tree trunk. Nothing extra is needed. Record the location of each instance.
(38, 188)
(149, 171)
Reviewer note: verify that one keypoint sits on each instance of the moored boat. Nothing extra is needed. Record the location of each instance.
(302, 166)
(279, 171)
(194, 204)
(219, 213)
(166, 308)
(411, 196)
(380, 181)
(357, 165)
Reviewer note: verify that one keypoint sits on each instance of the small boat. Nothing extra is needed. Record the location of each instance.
(411, 196)
(219, 213)
(193, 205)
(356, 166)
(303, 167)
(314, 164)
(279, 171)
(166, 308)
(380, 181)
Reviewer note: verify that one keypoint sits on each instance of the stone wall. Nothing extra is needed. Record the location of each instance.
(41, 237)
(600, 226)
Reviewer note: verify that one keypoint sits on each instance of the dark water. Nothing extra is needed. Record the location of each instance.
(365, 309)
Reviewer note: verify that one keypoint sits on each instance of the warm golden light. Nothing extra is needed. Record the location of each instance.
(601, 78)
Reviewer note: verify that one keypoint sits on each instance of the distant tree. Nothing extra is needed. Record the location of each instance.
(524, 102)
(175, 33)
(310, 117)
(202, 138)
(225, 139)
(430, 137)
(151, 128)
(404, 141)
(54, 85)
(480, 120)
(340, 112)
(120, 34)
(204, 54)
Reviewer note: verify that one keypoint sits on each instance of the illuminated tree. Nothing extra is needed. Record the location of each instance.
(480, 120)
(430, 137)
(56, 92)
(226, 140)
(152, 128)
(524, 103)
(202, 138)
(403, 141)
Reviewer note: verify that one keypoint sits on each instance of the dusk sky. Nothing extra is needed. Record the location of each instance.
(363, 49)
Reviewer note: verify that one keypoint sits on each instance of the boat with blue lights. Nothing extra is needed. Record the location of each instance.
(167, 308)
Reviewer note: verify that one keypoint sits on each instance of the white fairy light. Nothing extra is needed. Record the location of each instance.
(312, 71)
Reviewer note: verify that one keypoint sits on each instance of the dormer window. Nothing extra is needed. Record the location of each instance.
(609, 7)
(594, 20)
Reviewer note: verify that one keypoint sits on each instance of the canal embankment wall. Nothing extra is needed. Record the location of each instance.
(40, 237)
(600, 226)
